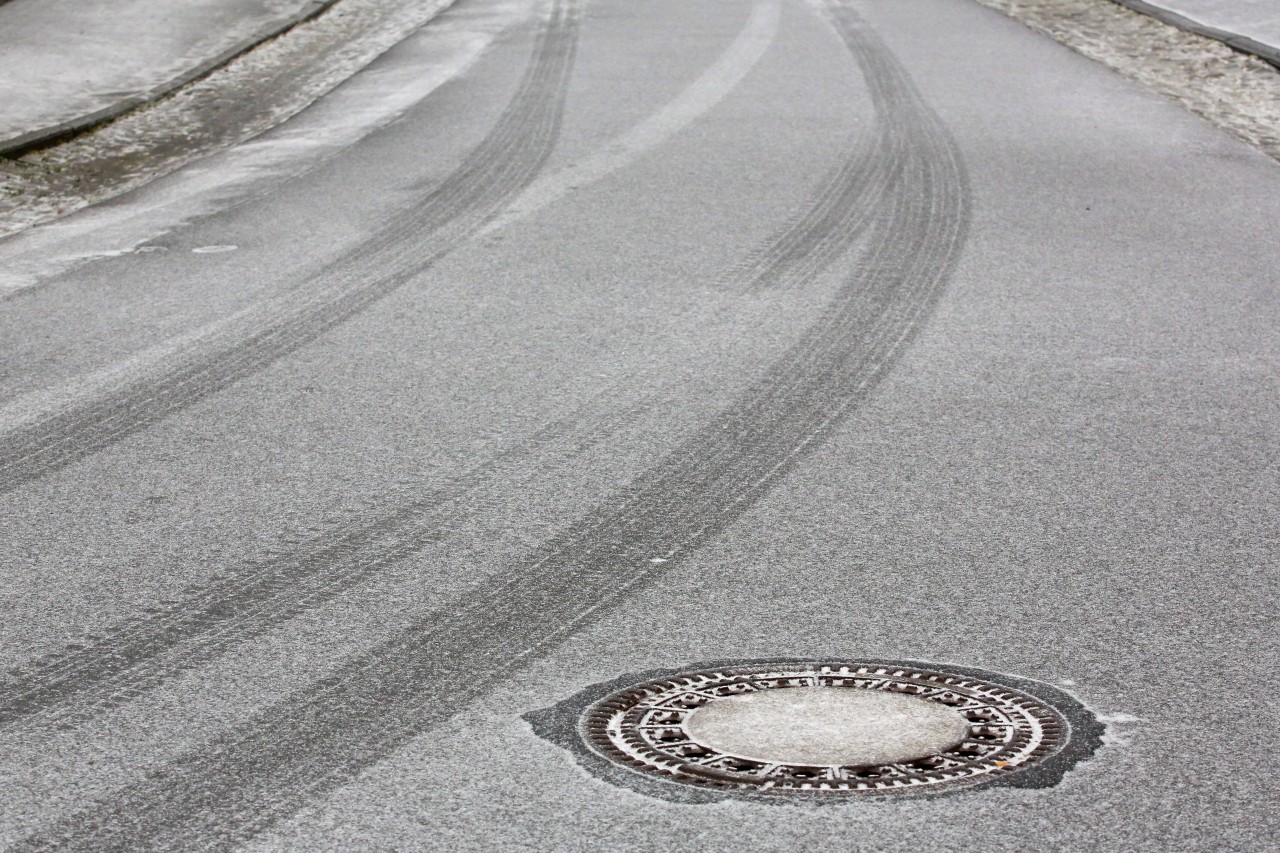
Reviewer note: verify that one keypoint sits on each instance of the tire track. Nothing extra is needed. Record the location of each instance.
(66, 689)
(818, 235)
(322, 737)
(72, 686)
(500, 167)
(722, 77)
(852, 195)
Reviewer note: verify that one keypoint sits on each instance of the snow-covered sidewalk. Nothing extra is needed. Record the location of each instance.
(1251, 25)
(66, 61)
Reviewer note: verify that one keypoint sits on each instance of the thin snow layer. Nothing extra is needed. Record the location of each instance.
(1255, 19)
(1237, 92)
(62, 59)
(248, 96)
(367, 101)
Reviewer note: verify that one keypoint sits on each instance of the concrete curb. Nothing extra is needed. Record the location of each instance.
(44, 137)
(1235, 41)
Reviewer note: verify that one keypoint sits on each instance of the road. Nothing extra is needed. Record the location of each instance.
(660, 334)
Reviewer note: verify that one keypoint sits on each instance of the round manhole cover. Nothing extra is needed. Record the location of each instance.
(843, 728)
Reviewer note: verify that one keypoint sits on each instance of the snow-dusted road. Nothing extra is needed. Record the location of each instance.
(659, 334)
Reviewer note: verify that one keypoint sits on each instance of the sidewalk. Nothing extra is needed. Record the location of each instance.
(1249, 25)
(68, 63)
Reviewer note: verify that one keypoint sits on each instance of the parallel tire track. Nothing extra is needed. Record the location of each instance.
(131, 657)
(500, 167)
(322, 737)
(138, 654)
(823, 232)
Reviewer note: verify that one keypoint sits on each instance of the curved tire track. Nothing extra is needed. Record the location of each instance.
(67, 688)
(320, 738)
(500, 167)
(138, 654)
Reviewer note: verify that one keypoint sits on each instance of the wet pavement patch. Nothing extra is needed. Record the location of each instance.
(821, 730)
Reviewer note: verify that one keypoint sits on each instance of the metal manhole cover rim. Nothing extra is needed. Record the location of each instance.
(1010, 729)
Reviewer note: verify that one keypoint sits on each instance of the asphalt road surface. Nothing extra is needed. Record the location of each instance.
(662, 333)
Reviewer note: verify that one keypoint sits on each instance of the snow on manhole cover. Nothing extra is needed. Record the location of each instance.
(842, 728)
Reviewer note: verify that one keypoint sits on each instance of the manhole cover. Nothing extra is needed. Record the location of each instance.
(844, 728)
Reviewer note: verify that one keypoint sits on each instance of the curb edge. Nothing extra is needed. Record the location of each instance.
(46, 137)
(1235, 41)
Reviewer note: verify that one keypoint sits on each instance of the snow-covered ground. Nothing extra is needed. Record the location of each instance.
(1254, 19)
(411, 62)
(62, 59)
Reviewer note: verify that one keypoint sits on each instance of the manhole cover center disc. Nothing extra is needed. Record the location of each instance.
(830, 726)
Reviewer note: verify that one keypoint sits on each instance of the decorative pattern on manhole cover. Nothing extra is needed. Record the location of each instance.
(1001, 730)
